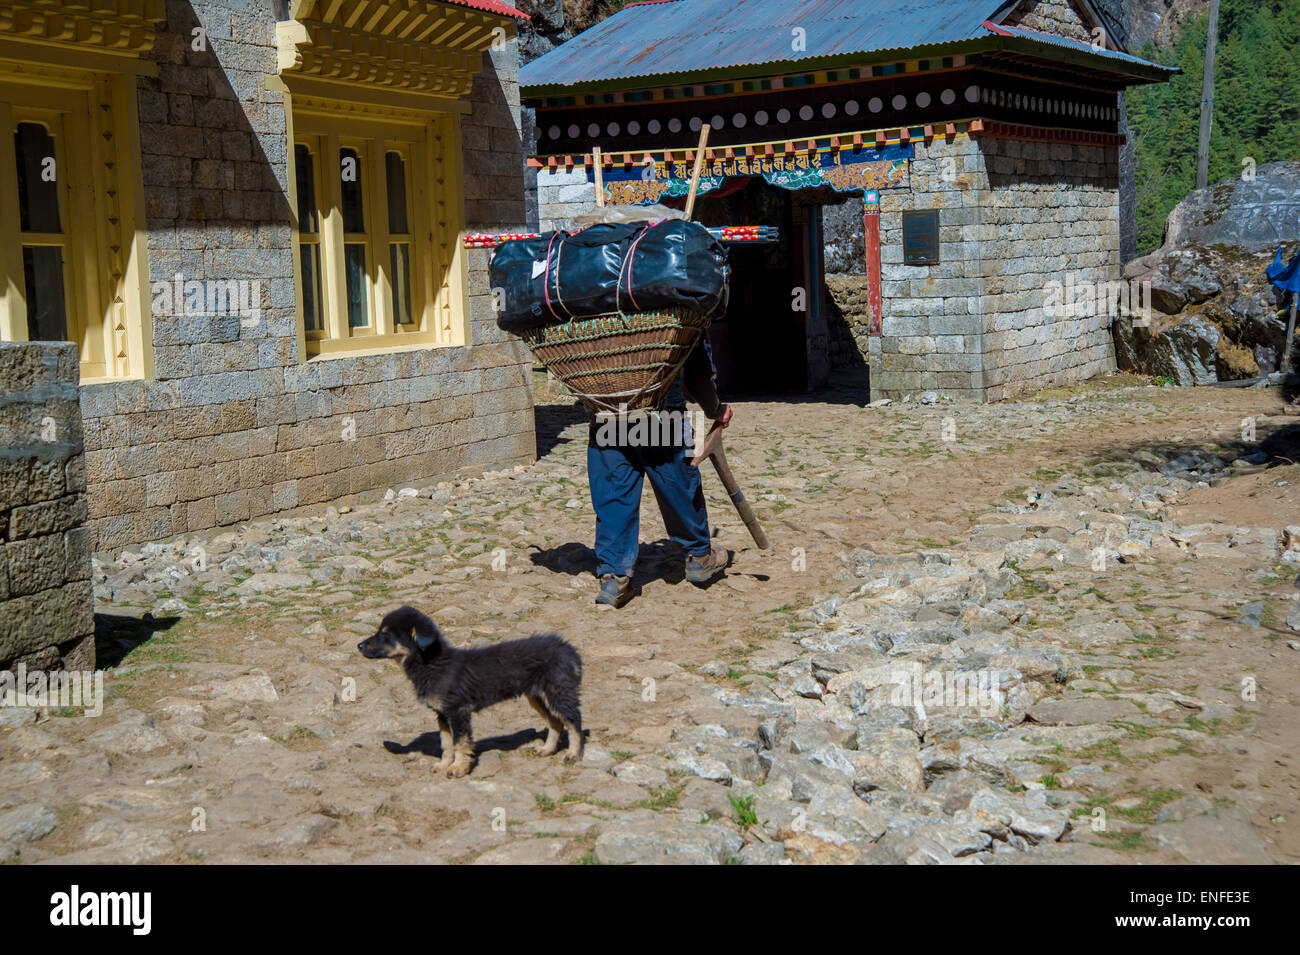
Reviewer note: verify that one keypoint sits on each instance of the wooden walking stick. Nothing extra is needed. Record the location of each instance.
(712, 448)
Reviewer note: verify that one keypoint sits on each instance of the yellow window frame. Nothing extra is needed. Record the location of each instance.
(428, 143)
(93, 120)
(305, 239)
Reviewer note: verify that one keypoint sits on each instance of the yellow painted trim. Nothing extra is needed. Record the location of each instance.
(103, 293)
(13, 295)
(382, 318)
(368, 100)
(365, 149)
(453, 186)
(44, 91)
(34, 55)
(376, 345)
(122, 27)
(424, 295)
(135, 288)
(290, 35)
(331, 233)
(387, 71)
(320, 120)
(300, 321)
(86, 231)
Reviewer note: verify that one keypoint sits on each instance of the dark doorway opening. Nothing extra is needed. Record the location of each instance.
(760, 344)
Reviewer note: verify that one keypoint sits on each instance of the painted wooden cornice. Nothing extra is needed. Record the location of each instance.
(413, 46)
(125, 27)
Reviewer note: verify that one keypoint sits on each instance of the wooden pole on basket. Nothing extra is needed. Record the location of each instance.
(713, 441)
(599, 163)
(695, 174)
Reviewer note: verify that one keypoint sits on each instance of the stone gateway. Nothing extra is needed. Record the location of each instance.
(969, 152)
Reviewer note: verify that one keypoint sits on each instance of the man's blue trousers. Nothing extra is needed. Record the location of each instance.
(616, 474)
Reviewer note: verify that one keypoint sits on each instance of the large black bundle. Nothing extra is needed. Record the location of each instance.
(677, 264)
(608, 268)
(518, 275)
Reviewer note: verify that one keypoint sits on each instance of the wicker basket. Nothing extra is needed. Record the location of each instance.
(624, 361)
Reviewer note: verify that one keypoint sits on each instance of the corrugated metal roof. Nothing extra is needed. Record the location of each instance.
(1069, 44)
(685, 36)
(491, 6)
(658, 37)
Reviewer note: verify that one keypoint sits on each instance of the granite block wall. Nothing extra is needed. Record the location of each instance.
(1052, 211)
(1014, 217)
(931, 325)
(233, 425)
(46, 616)
(561, 195)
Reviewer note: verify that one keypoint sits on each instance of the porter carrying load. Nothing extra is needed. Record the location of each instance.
(613, 310)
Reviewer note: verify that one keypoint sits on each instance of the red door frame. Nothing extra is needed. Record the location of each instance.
(871, 244)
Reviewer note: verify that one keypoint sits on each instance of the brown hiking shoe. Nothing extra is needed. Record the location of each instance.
(701, 570)
(614, 591)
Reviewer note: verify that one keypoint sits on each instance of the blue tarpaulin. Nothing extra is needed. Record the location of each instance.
(1285, 276)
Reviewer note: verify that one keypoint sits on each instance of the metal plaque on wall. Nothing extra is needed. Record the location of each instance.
(921, 237)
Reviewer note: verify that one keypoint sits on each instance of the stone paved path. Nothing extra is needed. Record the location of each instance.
(1089, 592)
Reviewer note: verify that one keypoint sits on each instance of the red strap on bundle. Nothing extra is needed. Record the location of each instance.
(546, 285)
(628, 265)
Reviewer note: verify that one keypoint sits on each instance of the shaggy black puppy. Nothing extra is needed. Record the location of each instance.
(456, 683)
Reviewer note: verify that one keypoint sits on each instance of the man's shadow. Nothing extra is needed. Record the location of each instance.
(116, 635)
(661, 560)
(1282, 445)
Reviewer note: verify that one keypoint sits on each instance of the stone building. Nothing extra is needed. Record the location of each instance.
(247, 215)
(46, 618)
(967, 151)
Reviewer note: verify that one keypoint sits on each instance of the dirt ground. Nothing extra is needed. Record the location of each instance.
(230, 734)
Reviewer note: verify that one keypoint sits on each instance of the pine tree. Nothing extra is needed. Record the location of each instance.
(1256, 109)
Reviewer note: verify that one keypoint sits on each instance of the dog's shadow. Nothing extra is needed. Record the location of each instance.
(430, 744)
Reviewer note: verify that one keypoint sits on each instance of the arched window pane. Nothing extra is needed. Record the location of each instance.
(38, 179)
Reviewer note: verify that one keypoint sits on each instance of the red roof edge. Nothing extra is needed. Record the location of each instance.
(994, 28)
(491, 6)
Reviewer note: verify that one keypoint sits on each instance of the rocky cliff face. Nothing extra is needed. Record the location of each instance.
(544, 31)
(1160, 21)
(1215, 316)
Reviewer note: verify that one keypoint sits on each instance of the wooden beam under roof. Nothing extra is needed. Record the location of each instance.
(415, 46)
(107, 26)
